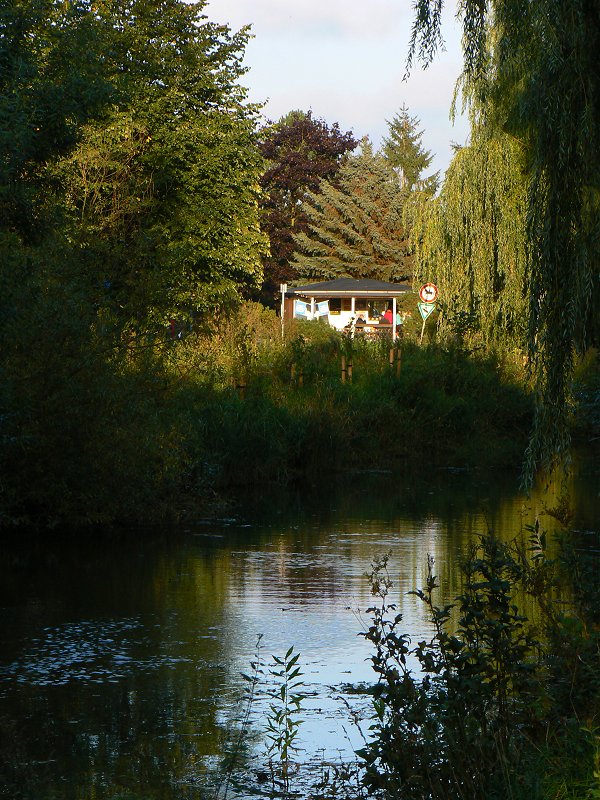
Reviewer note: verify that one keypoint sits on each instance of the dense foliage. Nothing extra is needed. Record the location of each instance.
(503, 702)
(280, 410)
(161, 191)
(128, 186)
(355, 224)
(471, 242)
(532, 71)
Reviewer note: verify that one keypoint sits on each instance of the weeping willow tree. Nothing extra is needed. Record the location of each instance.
(531, 69)
(470, 240)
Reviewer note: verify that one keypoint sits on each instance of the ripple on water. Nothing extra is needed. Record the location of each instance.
(88, 651)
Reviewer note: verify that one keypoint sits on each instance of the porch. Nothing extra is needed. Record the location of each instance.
(347, 304)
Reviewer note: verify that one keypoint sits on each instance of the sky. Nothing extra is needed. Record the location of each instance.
(345, 61)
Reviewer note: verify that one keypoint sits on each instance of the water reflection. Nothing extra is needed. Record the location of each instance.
(119, 673)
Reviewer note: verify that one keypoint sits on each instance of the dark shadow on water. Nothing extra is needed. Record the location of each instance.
(377, 493)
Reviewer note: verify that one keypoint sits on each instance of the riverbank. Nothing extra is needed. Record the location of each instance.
(172, 436)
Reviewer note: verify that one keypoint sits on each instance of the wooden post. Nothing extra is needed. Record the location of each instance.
(350, 370)
(343, 368)
(241, 387)
(392, 356)
(398, 361)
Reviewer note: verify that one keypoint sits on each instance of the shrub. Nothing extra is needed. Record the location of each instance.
(488, 715)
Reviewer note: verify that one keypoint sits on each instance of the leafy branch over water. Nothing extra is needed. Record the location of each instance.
(495, 709)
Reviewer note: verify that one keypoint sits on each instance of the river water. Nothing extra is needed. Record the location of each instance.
(122, 654)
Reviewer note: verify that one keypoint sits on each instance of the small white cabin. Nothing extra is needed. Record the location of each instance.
(346, 304)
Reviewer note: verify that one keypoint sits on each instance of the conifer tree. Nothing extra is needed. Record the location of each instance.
(404, 150)
(299, 151)
(355, 224)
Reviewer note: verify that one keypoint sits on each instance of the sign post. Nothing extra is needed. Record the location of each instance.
(428, 294)
(283, 290)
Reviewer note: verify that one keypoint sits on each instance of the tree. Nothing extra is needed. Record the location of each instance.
(404, 150)
(355, 224)
(52, 80)
(163, 192)
(471, 242)
(299, 152)
(532, 70)
(128, 197)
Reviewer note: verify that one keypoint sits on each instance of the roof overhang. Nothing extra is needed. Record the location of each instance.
(348, 287)
(363, 293)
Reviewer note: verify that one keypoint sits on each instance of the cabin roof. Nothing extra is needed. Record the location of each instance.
(349, 287)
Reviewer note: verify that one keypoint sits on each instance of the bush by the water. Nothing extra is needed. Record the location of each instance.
(499, 702)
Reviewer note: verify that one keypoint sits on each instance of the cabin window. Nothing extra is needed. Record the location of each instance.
(347, 304)
(335, 305)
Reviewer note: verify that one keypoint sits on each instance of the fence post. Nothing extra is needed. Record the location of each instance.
(241, 387)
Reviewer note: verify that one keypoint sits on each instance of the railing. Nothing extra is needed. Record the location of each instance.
(372, 329)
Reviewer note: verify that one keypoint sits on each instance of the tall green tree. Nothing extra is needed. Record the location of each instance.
(355, 224)
(163, 192)
(52, 79)
(299, 151)
(403, 148)
(532, 70)
(470, 240)
(129, 196)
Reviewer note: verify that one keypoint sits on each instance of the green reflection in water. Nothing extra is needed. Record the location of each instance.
(121, 655)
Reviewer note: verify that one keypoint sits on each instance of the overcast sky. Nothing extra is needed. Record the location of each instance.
(345, 60)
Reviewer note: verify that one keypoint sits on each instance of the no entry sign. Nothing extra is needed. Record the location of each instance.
(428, 292)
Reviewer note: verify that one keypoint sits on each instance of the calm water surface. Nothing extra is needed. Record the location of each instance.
(121, 655)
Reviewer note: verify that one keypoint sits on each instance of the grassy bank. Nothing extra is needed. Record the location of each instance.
(297, 417)
(171, 427)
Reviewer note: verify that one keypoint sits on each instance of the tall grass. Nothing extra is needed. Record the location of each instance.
(162, 430)
(268, 409)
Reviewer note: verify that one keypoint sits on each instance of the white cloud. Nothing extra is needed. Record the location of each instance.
(319, 18)
(345, 60)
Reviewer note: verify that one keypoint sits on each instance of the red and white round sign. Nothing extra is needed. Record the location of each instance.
(428, 292)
